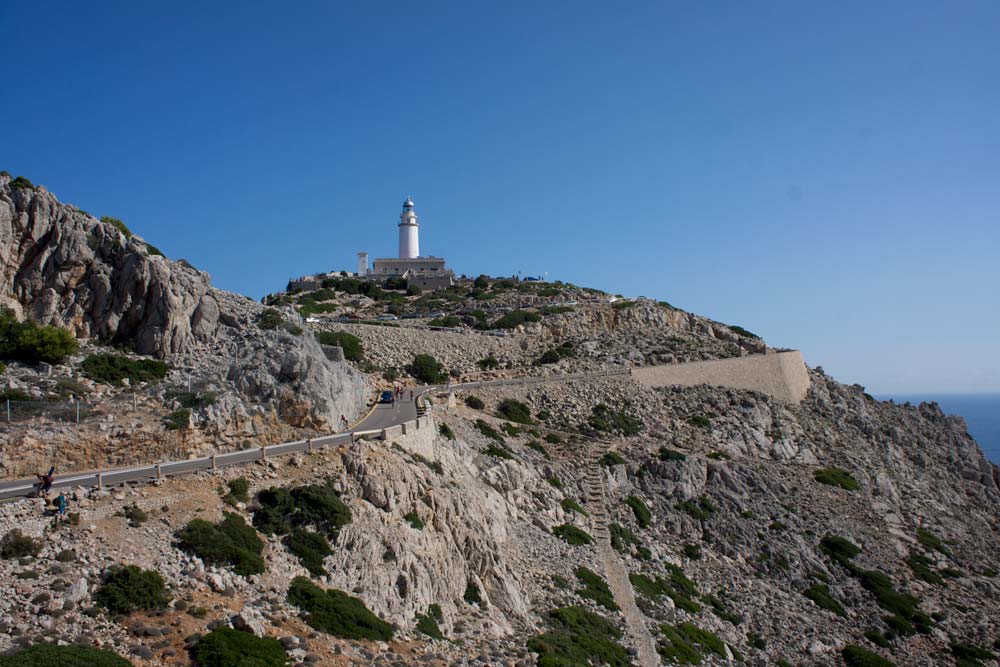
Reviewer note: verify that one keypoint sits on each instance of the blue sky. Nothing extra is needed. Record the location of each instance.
(825, 174)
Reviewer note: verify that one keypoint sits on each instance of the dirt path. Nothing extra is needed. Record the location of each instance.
(614, 568)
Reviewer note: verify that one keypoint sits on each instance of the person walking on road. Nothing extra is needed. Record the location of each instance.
(46, 480)
(411, 396)
(343, 422)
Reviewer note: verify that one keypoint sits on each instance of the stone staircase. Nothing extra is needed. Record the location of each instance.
(614, 568)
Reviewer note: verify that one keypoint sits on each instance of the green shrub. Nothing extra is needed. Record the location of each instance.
(743, 332)
(450, 321)
(15, 544)
(471, 594)
(351, 344)
(820, 594)
(700, 510)
(239, 489)
(540, 448)
(26, 342)
(516, 318)
(191, 399)
(572, 535)
(718, 456)
(932, 541)
(269, 319)
(552, 438)
(622, 537)
(855, 656)
(701, 421)
(836, 477)
(514, 411)
(488, 363)
(310, 548)
(474, 402)
(117, 224)
(127, 589)
(611, 459)
(603, 418)
(427, 369)
(134, 514)
(337, 613)
(839, 549)
(968, 655)
(3, 367)
(921, 566)
(570, 505)
(177, 420)
(482, 282)
(153, 250)
(230, 542)
(641, 511)
(554, 481)
(671, 455)
(685, 644)
(50, 655)
(595, 588)
(414, 520)
(692, 551)
(428, 623)
(280, 509)
(721, 610)
(487, 430)
(21, 183)
(113, 369)
(225, 647)
(446, 431)
(579, 638)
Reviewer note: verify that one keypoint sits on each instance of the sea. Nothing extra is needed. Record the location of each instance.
(981, 413)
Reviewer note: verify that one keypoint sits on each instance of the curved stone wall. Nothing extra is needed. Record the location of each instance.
(780, 374)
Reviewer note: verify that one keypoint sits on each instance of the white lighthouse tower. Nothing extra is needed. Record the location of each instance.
(409, 246)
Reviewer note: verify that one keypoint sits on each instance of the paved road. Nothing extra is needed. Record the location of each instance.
(383, 416)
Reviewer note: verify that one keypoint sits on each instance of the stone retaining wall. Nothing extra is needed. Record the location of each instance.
(780, 374)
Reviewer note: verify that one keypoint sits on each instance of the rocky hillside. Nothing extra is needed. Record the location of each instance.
(235, 373)
(559, 524)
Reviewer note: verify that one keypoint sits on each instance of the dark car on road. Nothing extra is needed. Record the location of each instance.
(387, 397)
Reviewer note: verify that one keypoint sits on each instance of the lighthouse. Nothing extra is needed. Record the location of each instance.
(409, 246)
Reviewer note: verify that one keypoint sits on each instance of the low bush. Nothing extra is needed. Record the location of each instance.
(701, 509)
(239, 489)
(820, 594)
(611, 459)
(603, 418)
(474, 402)
(231, 542)
(622, 537)
(471, 594)
(449, 321)
(671, 455)
(968, 655)
(839, 549)
(178, 420)
(428, 623)
(677, 587)
(515, 411)
(686, 644)
(124, 590)
(692, 551)
(134, 515)
(572, 535)
(487, 430)
(641, 511)
(337, 613)
(280, 509)
(570, 505)
(578, 638)
(26, 342)
(414, 520)
(16, 544)
(552, 438)
(50, 655)
(516, 318)
(921, 566)
(226, 647)
(557, 353)
(595, 588)
(270, 319)
(113, 369)
(719, 608)
(117, 224)
(743, 332)
(351, 344)
(856, 656)
(701, 421)
(498, 451)
(21, 183)
(446, 431)
(310, 548)
(932, 541)
(427, 369)
(540, 448)
(836, 477)
(488, 363)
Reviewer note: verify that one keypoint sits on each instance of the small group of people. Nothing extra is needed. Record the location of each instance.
(53, 506)
(400, 392)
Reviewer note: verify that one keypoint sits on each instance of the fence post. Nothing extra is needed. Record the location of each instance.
(159, 472)
(309, 445)
(213, 462)
(100, 481)
(263, 453)
(8, 410)
(77, 412)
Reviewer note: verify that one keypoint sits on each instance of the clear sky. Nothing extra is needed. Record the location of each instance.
(824, 174)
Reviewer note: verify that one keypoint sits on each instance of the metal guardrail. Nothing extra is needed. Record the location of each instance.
(169, 468)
